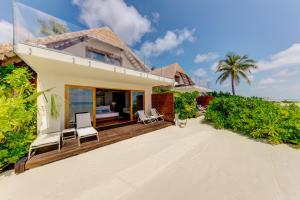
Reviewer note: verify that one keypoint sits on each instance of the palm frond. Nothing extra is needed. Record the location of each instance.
(223, 77)
(236, 67)
(244, 75)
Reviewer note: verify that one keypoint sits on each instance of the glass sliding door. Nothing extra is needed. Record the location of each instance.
(137, 100)
(79, 99)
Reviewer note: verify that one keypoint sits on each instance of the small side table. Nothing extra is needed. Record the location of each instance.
(68, 134)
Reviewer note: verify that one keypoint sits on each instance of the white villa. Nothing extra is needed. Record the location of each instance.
(89, 71)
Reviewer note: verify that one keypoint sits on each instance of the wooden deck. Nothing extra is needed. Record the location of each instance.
(71, 148)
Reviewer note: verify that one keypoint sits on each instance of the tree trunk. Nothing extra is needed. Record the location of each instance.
(232, 85)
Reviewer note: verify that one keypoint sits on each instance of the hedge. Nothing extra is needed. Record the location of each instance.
(256, 118)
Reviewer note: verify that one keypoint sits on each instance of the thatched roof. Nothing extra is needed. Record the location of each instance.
(170, 71)
(7, 55)
(103, 34)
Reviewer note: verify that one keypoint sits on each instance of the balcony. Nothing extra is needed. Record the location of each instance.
(53, 45)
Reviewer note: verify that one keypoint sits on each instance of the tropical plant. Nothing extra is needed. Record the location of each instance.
(17, 114)
(160, 90)
(218, 94)
(186, 104)
(256, 118)
(52, 27)
(235, 66)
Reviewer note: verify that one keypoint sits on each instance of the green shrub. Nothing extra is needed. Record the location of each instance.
(186, 104)
(159, 90)
(17, 114)
(256, 118)
(218, 94)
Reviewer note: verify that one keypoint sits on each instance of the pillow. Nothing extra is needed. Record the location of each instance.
(102, 111)
(100, 108)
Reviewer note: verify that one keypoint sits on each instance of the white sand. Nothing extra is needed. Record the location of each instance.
(197, 162)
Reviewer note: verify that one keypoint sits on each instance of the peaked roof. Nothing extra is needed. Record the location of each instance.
(6, 53)
(168, 71)
(5, 48)
(103, 34)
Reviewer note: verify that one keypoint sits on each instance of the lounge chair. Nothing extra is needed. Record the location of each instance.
(201, 108)
(144, 118)
(45, 139)
(84, 126)
(156, 115)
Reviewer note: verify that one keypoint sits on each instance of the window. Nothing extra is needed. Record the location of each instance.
(114, 61)
(137, 102)
(177, 79)
(79, 100)
(95, 55)
(104, 57)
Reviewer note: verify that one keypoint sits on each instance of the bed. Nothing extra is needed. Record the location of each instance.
(104, 112)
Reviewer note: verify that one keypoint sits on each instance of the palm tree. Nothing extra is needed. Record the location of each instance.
(235, 66)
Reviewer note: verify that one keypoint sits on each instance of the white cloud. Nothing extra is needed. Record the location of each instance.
(206, 57)
(226, 84)
(269, 81)
(6, 33)
(284, 73)
(277, 77)
(200, 72)
(179, 51)
(125, 20)
(214, 66)
(155, 17)
(286, 58)
(170, 41)
(202, 81)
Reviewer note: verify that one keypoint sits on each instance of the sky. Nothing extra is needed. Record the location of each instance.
(196, 34)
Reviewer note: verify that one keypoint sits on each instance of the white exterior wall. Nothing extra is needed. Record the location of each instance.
(45, 81)
(56, 69)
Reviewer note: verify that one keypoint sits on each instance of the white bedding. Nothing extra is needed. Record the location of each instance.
(107, 115)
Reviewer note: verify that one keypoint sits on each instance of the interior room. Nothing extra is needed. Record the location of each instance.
(108, 107)
(112, 107)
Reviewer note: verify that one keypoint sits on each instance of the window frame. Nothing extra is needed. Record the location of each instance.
(107, 56)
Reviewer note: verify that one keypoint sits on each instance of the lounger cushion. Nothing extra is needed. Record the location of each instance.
(49, 138)
(82, 132)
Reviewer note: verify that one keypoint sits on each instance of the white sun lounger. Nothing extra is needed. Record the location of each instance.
(144, 118)
(201, 108)
(45, 139)
(156, 115)
(84, 126)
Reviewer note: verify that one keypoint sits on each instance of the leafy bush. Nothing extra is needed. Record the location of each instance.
(218, 94)
(17, 114)
(256, 118)
(161, 89)
(186, 104)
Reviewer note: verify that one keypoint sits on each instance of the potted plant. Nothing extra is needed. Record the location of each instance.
(182, 122)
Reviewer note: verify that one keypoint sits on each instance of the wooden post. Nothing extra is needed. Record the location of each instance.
(94, 107)
(131, 111)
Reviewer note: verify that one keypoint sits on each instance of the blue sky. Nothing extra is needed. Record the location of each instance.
(196, 34)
